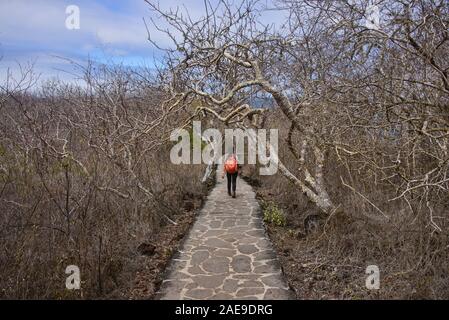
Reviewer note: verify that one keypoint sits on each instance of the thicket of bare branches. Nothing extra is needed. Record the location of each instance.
(365, 108)
(85, 178)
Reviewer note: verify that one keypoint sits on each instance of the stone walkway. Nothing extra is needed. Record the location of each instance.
(227, 254)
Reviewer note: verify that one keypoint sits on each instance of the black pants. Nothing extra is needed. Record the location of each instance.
(232, 181)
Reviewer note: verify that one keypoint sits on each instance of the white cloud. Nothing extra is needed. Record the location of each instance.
(30, 30)
(33, 30)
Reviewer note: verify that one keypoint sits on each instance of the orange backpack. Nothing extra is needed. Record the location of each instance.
(231, 165)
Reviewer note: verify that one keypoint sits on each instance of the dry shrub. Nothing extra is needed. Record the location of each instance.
(330, 262)
(83, 182)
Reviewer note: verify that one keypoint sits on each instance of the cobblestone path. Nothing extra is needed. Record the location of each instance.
(227, 254)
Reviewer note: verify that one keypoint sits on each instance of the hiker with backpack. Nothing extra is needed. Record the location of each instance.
(231, 168)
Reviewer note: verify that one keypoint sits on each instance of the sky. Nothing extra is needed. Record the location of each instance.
(34, 31)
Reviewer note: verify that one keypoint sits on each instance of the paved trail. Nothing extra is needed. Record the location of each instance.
(227, 254)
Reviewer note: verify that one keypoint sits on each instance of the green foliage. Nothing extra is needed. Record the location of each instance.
(168, 252)
(273, 215)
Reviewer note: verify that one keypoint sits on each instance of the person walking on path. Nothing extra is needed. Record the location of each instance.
(231, 169)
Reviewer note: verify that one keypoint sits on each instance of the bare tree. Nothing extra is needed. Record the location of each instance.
(374, 96)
